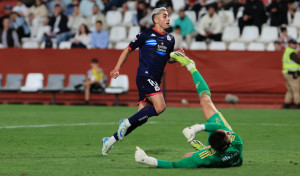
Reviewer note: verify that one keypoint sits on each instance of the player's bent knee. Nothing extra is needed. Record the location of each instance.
(205, 100)
(160, 109)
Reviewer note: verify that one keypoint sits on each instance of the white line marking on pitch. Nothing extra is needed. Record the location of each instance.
(114, 123)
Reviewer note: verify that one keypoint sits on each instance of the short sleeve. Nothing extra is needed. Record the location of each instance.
(138, 41)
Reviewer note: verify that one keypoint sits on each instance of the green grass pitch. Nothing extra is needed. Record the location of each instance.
(69, 143)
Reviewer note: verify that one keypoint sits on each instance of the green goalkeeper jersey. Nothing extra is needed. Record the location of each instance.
(209, 157)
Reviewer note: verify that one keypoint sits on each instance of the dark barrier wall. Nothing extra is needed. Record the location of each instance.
(226, 71)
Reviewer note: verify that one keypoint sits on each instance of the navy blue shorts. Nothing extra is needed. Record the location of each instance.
(147, 87)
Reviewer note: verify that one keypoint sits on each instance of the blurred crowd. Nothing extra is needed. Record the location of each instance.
(84, 22)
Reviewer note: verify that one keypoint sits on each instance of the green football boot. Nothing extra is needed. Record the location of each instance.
(181, 58)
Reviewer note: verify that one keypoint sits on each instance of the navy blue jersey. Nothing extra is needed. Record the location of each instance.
(154, 52)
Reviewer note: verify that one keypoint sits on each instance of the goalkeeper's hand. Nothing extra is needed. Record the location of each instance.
(190, 132)
(141, 157)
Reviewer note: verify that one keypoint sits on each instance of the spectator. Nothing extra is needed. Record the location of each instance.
(7, 11)
(210, 26)
(86, 6)
(36, 16)
(71, 6)
(284, 38)
(194, 5)
(278, 12)
(173, 16)
(164, 3)
(178, 38)
(277, 45)
(293, 6)
(74, 22)
(115, 4)
(100, 37)
(91, 20)
(254, 14)
(95, 80)
(18, 23)
(58, 24)
(8, 37)
(225, 4)
(20, 8)
(52, 4)
(186, 26)
(291, 74)
(141, 10)
(82, 38)
(146, 22)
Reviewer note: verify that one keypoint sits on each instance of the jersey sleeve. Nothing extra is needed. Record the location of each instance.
(198, 159)
(138, 41)
(210, 127)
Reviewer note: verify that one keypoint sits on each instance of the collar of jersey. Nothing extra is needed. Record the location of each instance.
(158, 31)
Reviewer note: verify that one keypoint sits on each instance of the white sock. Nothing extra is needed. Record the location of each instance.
(127, 123)
(112, 140)
(190, 66)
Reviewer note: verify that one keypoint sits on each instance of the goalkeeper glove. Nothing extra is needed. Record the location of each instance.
(141, 157)
(190, 132)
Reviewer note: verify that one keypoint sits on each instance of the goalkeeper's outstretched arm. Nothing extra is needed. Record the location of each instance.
(141, 157)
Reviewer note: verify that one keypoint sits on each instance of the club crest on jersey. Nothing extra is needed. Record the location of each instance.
(168, 37)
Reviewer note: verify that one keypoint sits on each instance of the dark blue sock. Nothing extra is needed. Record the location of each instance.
(131, 128)
(139, 119)
(143, 114)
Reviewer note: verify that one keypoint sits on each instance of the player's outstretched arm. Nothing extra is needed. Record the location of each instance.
(141, 157)
(123, 57)
(190, 132)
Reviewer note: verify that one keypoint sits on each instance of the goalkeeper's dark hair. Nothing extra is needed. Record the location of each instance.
(217, 140)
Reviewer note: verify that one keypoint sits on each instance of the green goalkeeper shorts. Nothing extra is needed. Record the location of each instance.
(218, 118)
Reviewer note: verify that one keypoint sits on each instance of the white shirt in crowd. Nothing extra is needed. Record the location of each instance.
(84, 38)
(210, 24)
(56, 25)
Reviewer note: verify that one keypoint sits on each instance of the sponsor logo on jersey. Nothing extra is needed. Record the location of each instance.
(151, 42)
(168, 37)
(153, 35)
(161, 49)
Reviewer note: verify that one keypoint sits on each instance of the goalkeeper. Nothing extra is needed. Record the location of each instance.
(225, 147)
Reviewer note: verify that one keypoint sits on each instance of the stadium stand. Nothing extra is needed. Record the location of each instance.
(268, 34)
(55, 84)
(30, 45)
(217, 46)
(117, 33)
(117, 86)
(113, 18)
(231, 33)
(133, 31)
(198, 46)
(121, 45)
(237, 46)
(13, 82)
(249, 34)
(65, 45)
(34, 82)
(255, 46)
(74, 80)
(270, 47)
(0, 81)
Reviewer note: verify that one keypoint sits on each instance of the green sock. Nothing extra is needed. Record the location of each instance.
(201, 86)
